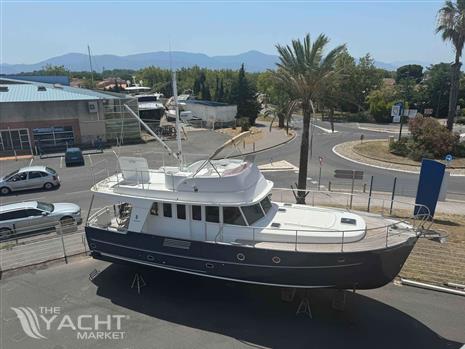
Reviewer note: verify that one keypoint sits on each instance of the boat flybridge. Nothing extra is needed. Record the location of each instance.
(218, 218)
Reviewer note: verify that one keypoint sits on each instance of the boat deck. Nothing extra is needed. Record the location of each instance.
(381, 232)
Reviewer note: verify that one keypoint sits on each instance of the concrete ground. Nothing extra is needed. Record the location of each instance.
(179, 311)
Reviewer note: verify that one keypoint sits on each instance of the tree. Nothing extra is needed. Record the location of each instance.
(380, 102)
(243, 94)
(410, 71)
(451, 25)
(303, 67)
(436, 87)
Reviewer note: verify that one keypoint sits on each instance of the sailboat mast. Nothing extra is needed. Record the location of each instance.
(91, 69)
(178, 129)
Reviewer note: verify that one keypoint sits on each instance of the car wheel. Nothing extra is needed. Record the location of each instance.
(5, 190)
(5, 232)
(67, 221)
(48, 186)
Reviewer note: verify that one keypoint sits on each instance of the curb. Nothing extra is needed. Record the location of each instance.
(294, 136)
(381, 167)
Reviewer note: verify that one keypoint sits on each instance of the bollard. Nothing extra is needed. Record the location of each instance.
(392, 196)
(369, 195)
(329, 186)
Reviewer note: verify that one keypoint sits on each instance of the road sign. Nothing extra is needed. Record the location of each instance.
(428, 111)
(449, 157)
(320, 158)
(348, 174)
(396, 111)
(412, 113)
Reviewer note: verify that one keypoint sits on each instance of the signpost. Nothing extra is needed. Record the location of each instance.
(428, 111)
(396, 111)
(320, 159)
(349, 174)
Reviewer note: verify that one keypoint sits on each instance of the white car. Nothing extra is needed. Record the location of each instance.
(33, 216)
(31, 177)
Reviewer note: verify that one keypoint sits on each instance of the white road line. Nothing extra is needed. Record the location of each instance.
(314, 182)
(30, 162)
(309, 178)
(61, 161)
(90, 160)
(325, 129)
(77, 192)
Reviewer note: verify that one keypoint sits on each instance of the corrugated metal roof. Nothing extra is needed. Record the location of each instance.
(28, 92)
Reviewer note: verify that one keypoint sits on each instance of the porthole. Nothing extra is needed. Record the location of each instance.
(240, 257)
(276, 260)
(209, 265)
(150, 257)
(92, 245)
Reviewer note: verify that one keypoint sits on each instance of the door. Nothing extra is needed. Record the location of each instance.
(20, 221)
(40, 220)
(18, 181)
(197, 223)
(35, 180)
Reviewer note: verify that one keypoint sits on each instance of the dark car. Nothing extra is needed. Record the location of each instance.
(73, 156)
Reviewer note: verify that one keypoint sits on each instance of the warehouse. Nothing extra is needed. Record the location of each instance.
(40, 117)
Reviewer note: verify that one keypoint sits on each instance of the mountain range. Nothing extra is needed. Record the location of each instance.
(254, 61)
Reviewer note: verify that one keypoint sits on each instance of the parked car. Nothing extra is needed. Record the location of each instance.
(34, 216)
(31, 177)
(73, 156)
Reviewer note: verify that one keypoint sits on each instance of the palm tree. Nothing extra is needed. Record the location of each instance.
(451, 25)
(303, 69)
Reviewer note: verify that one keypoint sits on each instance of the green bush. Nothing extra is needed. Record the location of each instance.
(429, 137)
(460, 120)
(245, 124)
(400, 147)
(459, 150)
(359, 117)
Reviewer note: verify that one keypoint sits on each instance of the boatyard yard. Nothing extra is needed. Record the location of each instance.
(158, 191)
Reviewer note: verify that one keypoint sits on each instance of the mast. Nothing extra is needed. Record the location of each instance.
(91, 69)
(178, 130)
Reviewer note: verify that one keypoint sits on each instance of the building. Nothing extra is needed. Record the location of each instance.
(37, 117)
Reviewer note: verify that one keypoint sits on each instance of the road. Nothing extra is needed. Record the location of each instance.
(323, 144)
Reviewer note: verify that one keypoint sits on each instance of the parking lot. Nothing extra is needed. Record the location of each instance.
(176, 310)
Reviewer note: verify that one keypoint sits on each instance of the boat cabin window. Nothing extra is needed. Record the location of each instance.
(252, 213)
(232, 215)
(181, 211)
(266, 204)
(167, 210)
(196, 213)
(154, 209)
(212, 214)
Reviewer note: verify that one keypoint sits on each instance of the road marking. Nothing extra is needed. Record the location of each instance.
(77, 192)
(309, 178)
(30, 162)
(61, 161)
(325, 129)
(90, 160)
(314, 182)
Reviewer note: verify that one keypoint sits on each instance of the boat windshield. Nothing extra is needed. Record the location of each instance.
(147, 99)
(266, 204)
(252, 213)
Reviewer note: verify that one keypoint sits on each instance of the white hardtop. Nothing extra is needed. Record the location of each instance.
(34, 168)
(225, 181)
(18, 205)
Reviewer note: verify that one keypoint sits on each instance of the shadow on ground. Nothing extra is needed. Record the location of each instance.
(256, 315)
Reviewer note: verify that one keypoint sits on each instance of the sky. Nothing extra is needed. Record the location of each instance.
(390, 31)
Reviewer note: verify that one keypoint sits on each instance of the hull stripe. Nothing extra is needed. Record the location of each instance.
(189, 271)
(226, 262)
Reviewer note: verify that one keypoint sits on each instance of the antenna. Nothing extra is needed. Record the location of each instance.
(175, 96)
(91, 69)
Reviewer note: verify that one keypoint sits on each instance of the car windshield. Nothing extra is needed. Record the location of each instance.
(51, 170)
(11, 174)
(44, 206)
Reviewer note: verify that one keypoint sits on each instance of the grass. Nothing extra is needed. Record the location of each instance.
(379, 150)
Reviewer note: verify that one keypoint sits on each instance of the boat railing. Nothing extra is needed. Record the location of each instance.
(391, 227)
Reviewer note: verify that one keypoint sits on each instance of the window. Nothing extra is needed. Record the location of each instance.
(35, 174)
(33, 213)
(154, 209)
(197, 213)
(18, 177)
(266, 204)
(252, 213)
(212, 214)
(232, 215)
(45, 206)
(181, 211)
(167, 210)
(51, 170)
(10, 215)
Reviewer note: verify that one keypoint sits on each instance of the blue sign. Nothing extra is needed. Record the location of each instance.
(429, 186)
(449, 157)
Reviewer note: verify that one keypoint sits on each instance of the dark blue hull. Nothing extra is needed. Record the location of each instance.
(347, 270)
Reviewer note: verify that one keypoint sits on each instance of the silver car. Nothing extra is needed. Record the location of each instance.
(33, 216)
(32, 177)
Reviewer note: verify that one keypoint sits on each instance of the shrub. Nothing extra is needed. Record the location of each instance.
(359, 117)
(459, 150)
(431, 138)
(400, 147)
(460, 121)
(245, 124)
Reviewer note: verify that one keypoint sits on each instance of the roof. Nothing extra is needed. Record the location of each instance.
(48, 79)
(208, 103)
(33, 168)
(25, 204)
(28, 91)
